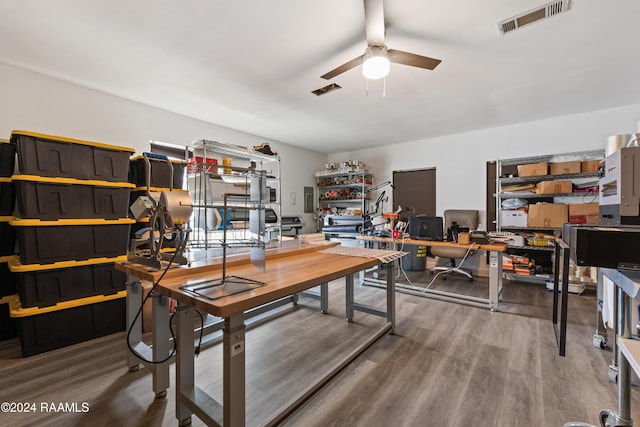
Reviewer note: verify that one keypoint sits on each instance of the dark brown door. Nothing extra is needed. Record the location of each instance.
(491, 200)
(415, 192)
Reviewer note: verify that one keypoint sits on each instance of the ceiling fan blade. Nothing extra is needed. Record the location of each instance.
(342, 68)
(374, 22)
(406, 58)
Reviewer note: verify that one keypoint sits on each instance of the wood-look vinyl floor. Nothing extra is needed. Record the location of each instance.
(447, 365)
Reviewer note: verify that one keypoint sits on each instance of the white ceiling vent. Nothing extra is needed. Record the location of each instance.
(542, 12)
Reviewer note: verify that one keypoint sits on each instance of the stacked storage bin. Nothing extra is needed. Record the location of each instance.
(7, 239)
(160, 180)
(71, 227)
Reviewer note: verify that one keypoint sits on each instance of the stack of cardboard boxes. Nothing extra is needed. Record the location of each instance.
(553, 215)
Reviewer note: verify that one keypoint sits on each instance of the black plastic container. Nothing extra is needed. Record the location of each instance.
(43, 330)
(7, 278)
(7, 196)
(63, 198)
(56, 156)
(7, 237)
(7, 158)
(8, 327)
(160, 172)
(45, 242)
(38, 286)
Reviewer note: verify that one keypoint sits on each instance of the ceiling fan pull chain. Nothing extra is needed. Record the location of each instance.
(384, 87)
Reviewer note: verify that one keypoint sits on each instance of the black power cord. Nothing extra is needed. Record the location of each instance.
(173, 336)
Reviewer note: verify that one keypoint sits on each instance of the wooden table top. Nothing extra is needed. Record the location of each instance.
(287, 272)
(214, 263)
(500, 247)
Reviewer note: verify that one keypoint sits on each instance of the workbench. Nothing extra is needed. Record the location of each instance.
(288, 271)
(494, 251)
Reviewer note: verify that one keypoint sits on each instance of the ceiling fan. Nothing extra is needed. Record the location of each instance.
(377, 57)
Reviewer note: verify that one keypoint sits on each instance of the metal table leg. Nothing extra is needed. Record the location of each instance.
(391, 295)
(600, 335)
(134, 332)
(622, 416)
(495, 279)
(185, 370)
(561, 262)
(234, 370)
(349, 293)
(160, 342)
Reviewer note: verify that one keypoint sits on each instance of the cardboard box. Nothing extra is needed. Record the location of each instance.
(551, 215)
(533, 169)
(589, 166)
(584, 209)
(561, 168)
(584, 213)
(554, 187)
(513, 218)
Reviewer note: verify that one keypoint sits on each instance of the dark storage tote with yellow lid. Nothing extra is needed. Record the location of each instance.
(7, 158)
(8, 327)
(160, 172)
(68, 198)
(45, 242)
(7, 236)
(58, 156)
(7, 196)
(43, 285)
(7, 278)
(68, 322)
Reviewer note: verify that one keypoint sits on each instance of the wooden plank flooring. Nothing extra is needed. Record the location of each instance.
(447, 365)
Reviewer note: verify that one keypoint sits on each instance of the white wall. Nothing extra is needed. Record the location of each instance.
(34, 102)
(31, 101)
(460, 160)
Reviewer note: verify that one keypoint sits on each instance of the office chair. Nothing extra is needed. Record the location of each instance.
(464, 218)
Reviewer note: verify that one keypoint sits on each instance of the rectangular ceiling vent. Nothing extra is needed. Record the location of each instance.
(326, 89)
(542, 12)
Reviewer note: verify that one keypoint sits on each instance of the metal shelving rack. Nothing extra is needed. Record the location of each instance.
(500, 196)
(253, 172)
(365, 179)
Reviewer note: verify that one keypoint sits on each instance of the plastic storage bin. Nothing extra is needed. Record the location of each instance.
(160, 172)
(7, 236)
(45, 242)
(8, 328)
(46, 285)
(56, 156)
(7, 158)
(7, 197)
(65, 198)
(69, 322)
(7, 278)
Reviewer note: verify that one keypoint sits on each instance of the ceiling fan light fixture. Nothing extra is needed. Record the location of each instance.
(376, 64)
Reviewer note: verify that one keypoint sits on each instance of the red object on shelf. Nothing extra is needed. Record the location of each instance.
(198, 164)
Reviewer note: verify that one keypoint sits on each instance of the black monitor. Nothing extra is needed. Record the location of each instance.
(425, 227)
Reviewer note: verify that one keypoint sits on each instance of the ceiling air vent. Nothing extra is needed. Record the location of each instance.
(326, 89)
(542, 12)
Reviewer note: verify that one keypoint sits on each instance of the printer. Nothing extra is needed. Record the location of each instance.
(620, 188)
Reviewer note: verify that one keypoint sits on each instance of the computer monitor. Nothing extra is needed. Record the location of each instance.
(425, 227)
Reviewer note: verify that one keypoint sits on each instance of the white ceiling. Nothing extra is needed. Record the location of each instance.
(251, 65)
